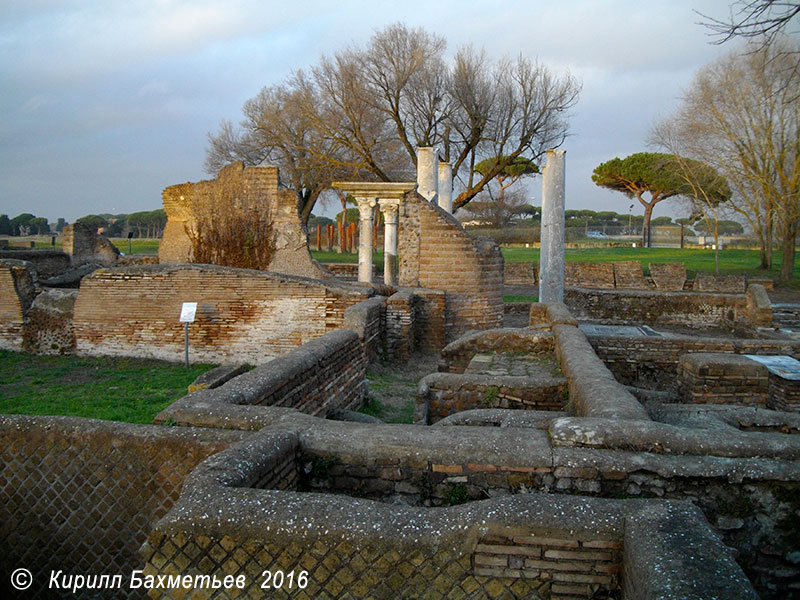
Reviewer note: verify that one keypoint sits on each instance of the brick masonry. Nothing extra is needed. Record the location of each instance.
(324, 374)
(251, 187)
(557, 546)
(708, 378)
(81, 496)
(47, 263)
(16, 296)
(652, 362)
(242, 315)
(436, 253)
(654, 308)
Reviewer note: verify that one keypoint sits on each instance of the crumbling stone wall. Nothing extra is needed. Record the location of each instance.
(521, 273)
(708, 378)
(656, 308)
(17, 290)
(322, 375)
(368, 320)
(46, 263)
(526, 545)
(436, 253)
(80, 496)
(242, 315)
(652, 362)
(250, 186)
(49, 323)
(83, 245)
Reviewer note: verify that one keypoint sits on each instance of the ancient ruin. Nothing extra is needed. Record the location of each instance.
(593, 451)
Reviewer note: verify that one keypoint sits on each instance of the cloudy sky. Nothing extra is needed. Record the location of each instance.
(104, 104)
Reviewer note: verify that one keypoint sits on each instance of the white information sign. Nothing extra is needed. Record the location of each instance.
(188, 311)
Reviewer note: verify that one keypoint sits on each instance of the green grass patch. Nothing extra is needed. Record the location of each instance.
(731, 261)
(513, 298)
(130, 390)
(137, 246)
(324, 256)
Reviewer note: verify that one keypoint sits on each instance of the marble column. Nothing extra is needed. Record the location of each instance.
(390, 210)
(445, 187)
(427, 173)
(551, 261)
(366, 208)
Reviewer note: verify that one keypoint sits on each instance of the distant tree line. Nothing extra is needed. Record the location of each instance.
(149, 224)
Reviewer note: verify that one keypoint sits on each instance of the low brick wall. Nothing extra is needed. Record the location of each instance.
(652, 362)
(242, 315)
(80, 496)
(46, 263)
(367, 319)
(521, 273)
(705, 378)
(442, 394)
(457, 355)
(324, 374)
(593, 390)
(558, 547)
(347, 271)
(615, 307)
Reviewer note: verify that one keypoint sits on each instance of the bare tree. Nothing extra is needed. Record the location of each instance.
(708, 191)
(763, 19)
(741, 116)
(363, 112)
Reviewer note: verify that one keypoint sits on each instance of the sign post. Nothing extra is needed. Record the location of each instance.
(188, 311)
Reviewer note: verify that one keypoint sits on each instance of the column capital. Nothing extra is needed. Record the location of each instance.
(366, 206)
(390, 207)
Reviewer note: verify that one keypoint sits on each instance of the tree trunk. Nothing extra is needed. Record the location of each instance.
(768, 249)
(648, 212)
(787, 252)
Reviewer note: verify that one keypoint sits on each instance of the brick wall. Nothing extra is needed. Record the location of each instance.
(251, 188)
(326, 373)
(16, 296)
(242, 315)
(654, 308)
(521, 273)
(559, 546)
(653, 361)
(784, 394)
(80, 495)
(573, 563)
(442, 394)
(46, 263)
(436, 253)
(367, 318)
(401, 338)
(708, 378)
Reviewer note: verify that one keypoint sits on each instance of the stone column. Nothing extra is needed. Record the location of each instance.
(551, 262)
(366, 207)
(427, 173)
(390, 210)
(445, 186)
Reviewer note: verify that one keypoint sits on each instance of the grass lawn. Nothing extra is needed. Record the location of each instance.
(138, 246)
(731, 261)
(131, 390)
(324, 256)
